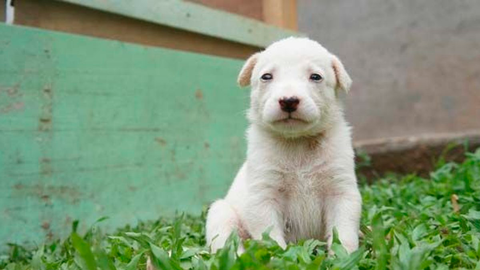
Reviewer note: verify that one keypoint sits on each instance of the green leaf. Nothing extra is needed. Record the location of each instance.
(419, 231)
(132, 265)
(379, 243)
(161, 259)
(103, 261)
(83, 249)
(75, 226)
(142, 238)
(353, 259)
(227, 257)
(473, 214)
(37, 262)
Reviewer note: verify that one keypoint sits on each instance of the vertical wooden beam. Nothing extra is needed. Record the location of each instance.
(281, 13)
(3, 3)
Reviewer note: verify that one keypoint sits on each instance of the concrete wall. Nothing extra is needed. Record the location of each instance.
(415, 64)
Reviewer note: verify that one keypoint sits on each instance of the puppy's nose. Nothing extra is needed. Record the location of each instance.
(289, 104)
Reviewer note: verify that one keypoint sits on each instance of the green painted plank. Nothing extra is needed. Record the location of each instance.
(92, 128)
(195, 18)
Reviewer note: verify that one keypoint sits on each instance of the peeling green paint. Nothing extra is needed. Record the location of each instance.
(92, 128)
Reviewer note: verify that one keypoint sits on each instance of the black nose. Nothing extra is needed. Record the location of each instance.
(289, 104)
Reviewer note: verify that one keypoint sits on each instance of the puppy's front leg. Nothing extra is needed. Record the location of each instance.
(263, 214)
(342, 211)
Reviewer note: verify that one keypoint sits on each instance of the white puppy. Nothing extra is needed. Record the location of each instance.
(299, 178)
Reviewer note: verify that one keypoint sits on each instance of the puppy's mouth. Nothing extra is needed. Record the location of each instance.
(290, 120)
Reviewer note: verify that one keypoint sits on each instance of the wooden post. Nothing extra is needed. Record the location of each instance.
(3, 4)
(281, 13)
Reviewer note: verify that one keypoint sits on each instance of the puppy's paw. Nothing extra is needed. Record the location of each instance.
(350, 246)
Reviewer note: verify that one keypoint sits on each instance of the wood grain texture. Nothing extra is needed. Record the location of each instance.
(71, 18)
(2, 10)
(193, 17)
(92, 128)
(248, 8)
(281, 13)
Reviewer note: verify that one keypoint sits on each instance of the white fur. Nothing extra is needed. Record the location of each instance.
(299, 177)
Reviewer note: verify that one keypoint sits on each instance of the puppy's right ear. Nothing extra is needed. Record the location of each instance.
(246, 73)
(344, 81)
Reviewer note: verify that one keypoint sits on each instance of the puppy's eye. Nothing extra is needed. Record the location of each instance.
(266, 77)
(316, 77)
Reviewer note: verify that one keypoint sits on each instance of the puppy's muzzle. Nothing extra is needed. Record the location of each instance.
(289, 104)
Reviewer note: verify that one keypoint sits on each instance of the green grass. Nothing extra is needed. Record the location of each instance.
(408, 223)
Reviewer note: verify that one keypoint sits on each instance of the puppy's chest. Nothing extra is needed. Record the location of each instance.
(306, 180)
(300, 192)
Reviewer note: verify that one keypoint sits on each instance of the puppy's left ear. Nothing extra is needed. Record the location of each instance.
(246, 73)
(344, 81)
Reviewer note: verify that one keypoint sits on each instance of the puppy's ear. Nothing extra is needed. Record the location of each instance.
(246, 72)
(344, 81)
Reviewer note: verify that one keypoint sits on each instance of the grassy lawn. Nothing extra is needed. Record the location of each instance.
(408, 222)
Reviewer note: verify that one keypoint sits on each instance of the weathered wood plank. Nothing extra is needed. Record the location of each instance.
(247, 8)
(3, 10)
(193, 17)
(72, 18)
(282, 13)
(92, 128)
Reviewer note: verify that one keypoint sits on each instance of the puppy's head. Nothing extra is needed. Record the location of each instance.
(294, 87)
